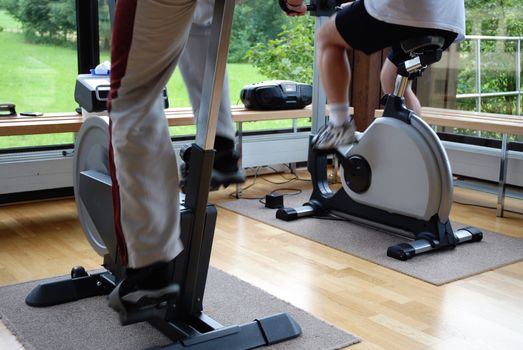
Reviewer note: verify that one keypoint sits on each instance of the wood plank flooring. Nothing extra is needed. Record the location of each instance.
(387, 309)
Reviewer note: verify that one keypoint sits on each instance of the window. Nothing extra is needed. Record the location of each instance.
(38, 58)
(483, 73)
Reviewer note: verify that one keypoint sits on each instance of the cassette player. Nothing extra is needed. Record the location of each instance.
(91, 92)
(276, 94)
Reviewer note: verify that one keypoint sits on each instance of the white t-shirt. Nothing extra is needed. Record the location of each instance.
(440, 14)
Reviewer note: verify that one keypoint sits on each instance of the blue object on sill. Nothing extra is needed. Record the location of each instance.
(100, 75)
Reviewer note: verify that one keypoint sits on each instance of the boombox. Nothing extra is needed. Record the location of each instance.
(276, 94)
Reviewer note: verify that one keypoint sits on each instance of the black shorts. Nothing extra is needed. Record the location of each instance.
(365, 33)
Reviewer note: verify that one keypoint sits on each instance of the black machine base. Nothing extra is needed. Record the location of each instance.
(405, 251)
(426, 236)
(260, 332)
(185, 323)
(196, 332)
(71, 289)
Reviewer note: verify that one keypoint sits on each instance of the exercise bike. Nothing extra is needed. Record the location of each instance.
(397, 176)
(181, 319)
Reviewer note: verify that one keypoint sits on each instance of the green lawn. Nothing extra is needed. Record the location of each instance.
(8, 23)
(42, 77)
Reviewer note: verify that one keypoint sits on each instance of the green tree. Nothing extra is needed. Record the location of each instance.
(35, 19)
(12, 7)
(255, 21)
(62, 15)
(49, 21)
(291, 55)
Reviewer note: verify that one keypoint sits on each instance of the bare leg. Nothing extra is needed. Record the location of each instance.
(388, 80)
(335, 75)
(333, 63)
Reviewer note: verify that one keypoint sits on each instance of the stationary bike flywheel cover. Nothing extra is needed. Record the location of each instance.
(91, 153)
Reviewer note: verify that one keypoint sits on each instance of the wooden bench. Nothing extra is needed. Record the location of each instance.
(499, 123)
(51, 123)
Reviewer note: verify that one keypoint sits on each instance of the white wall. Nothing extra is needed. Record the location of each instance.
(51, 169)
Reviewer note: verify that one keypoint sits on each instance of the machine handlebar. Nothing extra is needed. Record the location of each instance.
(316, 7)
(283, 6)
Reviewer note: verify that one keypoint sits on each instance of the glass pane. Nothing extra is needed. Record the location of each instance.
(39, 62)
(38, 69)
(498, 66)
(481, 72)
(104, 29)
(467, 67)
(499, 104)
(36, 140)
(466, 104)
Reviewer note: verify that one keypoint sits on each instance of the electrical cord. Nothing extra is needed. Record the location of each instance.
(287, 180)
(256, 171)
(279, 173)
(294, 191)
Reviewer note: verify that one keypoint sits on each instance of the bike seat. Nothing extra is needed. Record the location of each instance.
(420, 45)
(427, 48)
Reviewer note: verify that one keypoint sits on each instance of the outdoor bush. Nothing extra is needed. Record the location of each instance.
(255, 21)
(290, 56)
(498, 66)
(44, 21)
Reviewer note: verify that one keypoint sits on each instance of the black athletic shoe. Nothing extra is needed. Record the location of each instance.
(144, 294)
(225, 168)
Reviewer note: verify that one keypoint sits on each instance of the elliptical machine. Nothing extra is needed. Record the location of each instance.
(397, 176)
(181, 319)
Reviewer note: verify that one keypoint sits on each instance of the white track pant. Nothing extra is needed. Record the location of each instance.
(148, 39)
(192, 67)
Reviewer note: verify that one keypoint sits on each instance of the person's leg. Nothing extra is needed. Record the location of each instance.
(333, 63)
(335, 75)
(388, 82)
(192, 68)
(148, 38)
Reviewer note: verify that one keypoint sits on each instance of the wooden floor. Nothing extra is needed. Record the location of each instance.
(387, 309)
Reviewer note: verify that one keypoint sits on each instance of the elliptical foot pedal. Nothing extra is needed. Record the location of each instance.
(143, 305)
(278, 328)
(140, 314)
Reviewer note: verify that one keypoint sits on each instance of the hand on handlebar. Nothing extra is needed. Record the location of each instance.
(293, 7)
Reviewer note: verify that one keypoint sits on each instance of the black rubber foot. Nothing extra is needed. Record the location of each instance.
(287, 214)
(476, 234)
(402, 251)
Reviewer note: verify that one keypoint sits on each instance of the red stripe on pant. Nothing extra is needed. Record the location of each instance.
(120, 46)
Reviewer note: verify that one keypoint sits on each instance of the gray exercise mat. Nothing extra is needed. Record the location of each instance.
(91, 324)
(437, 267)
